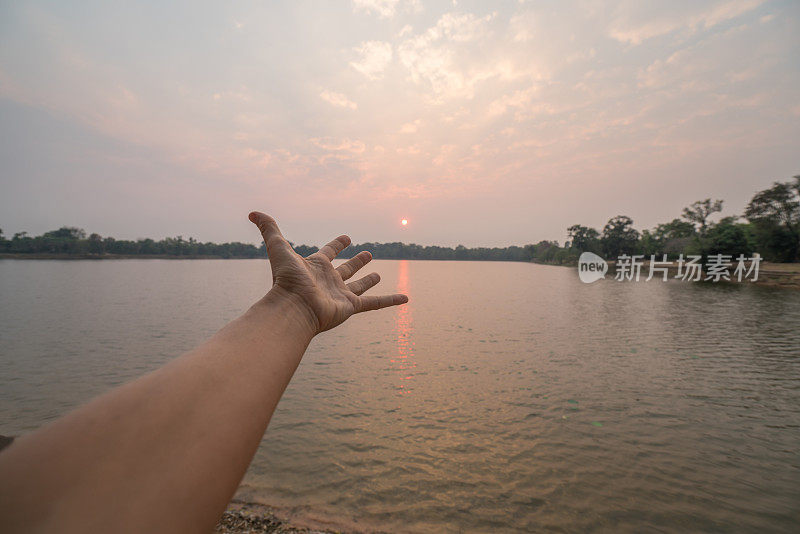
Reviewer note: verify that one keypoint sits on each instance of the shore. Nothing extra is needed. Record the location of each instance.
(781, 275)
(246, 515)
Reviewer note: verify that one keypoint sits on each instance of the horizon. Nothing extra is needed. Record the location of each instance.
(486, 126)
(713, 219)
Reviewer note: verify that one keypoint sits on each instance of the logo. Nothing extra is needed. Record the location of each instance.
(591, 267)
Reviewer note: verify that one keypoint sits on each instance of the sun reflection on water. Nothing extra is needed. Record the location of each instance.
(404, 363)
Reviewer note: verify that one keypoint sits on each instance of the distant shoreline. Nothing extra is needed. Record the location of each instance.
(782, 275)
(50, 256)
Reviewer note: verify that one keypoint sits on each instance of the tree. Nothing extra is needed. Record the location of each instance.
(675, 229)
(779, 203)
(699, 212)
(545, 251)
(583, 238)
(670, 238)
(66, 232)
(727, 237)
(619, 237)
(96, 244)
(649, 244)
(775, 215)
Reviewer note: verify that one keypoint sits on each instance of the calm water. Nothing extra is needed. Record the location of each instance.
(506, 397)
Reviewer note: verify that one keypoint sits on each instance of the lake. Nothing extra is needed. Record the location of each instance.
(505, 397)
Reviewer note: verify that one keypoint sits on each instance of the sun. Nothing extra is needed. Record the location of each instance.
(404, 222)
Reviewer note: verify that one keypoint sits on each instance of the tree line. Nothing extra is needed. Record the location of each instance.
(769, 226)
(70, 241)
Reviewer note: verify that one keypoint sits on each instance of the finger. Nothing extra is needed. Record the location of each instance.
(332, 249)
(362, 284)
(351, 266)
(372, 302)
(277, 245)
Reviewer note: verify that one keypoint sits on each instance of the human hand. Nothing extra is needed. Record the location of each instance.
(314, 285)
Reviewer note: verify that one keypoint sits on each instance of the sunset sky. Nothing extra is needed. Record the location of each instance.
(482, 123)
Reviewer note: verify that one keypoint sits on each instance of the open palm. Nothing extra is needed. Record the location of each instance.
(314, 284)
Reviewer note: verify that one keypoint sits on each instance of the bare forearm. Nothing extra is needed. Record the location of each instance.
(167, 451)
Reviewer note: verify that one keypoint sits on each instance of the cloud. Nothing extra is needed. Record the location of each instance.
(460, 27)
(637, 23)
(337, 99)
(410, 127)
(375, 56)
(710, 67)
(445, 152)
(261, 158)
(352, 146)
(411, 150)
(241, 95)
(521, 26)
(386, 9)
(442, 56)
(518, 99)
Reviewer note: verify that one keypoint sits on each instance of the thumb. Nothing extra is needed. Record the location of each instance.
(277, 245)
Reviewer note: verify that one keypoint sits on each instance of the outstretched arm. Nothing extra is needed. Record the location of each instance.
(166, 452)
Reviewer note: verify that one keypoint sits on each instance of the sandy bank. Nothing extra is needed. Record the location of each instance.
(241, 517)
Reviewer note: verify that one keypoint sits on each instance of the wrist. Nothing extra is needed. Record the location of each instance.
(290, 308)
